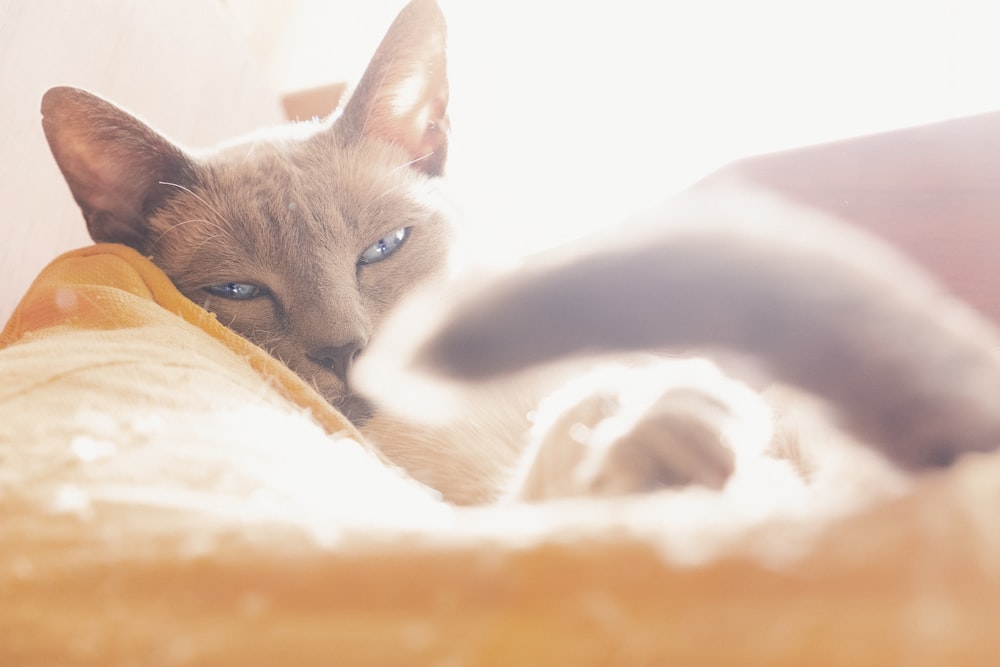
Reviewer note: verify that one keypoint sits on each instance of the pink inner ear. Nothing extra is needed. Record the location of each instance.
(112, 161)
(402, 97)
(104, 175)
(415, 117)
(104, 184)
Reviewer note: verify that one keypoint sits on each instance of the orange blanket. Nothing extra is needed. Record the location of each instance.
(114, 316)
(171, 495)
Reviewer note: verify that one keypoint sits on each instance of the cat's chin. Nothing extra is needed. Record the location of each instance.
(357, 409)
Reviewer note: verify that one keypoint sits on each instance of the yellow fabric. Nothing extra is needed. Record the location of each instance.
(103, 329)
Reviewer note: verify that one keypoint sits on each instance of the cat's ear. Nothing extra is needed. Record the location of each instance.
(402, 97)
(118, 169)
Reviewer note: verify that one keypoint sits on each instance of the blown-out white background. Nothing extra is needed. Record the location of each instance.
(569, 115)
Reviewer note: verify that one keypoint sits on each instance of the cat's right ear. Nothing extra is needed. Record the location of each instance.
(115, 165)
(402, 97)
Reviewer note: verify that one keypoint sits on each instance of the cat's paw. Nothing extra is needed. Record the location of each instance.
(635, 430)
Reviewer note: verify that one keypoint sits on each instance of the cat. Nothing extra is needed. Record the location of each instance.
(907, 368)
(299, 238)
(304, 238)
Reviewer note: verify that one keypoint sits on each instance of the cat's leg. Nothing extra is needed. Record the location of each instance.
(903, 365)
(634, 430)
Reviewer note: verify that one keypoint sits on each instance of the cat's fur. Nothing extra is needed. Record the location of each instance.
(294, 210)
(291, 209)
(298, 213)
(907, 368)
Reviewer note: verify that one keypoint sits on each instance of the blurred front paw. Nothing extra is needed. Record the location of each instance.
(635, 430)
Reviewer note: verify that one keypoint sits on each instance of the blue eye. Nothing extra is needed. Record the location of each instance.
(235, 291)
(384, 247)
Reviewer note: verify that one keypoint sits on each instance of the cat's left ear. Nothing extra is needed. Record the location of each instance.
(402, 97)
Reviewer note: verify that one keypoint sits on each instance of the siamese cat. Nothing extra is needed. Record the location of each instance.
(303, 239)
(300, 238)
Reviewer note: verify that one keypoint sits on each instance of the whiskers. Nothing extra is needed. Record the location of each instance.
(177, 226)
(271, 342)
(203, 220)
(250, 151)
(386, 193)
(412, 162)
(397, 169)
(195, 195)
(336, 398)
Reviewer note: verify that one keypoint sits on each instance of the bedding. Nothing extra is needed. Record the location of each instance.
(169, 494)
(106, 309)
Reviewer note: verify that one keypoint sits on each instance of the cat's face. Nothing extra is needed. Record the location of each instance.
(300, 239)
(302, 248)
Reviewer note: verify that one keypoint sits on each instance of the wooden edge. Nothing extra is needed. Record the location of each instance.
(318, 102)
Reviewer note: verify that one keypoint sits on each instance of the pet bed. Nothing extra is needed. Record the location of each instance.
(169, 494)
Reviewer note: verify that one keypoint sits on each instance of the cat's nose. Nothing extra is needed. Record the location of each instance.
(338, 358)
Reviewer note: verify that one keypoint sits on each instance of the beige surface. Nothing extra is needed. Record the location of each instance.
(180, 65)
(915, 583)
(168, 497)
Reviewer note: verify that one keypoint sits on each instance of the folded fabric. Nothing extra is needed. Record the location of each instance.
(103, 330)
(167, 490)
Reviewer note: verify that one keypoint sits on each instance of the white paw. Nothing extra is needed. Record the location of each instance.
(638, 429)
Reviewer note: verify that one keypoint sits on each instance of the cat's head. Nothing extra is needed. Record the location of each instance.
(301, 238)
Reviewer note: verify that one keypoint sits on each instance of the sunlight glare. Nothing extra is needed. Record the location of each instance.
(568, 117)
